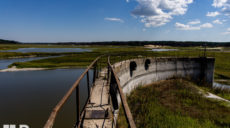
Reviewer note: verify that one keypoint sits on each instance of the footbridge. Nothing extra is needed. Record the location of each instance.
(123, 73)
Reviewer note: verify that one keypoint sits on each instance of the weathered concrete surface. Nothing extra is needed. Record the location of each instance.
(161, 69)
(99, 101)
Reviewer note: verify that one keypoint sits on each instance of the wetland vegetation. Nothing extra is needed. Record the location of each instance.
(174, 103)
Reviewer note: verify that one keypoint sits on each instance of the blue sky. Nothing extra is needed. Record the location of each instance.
(114, 20)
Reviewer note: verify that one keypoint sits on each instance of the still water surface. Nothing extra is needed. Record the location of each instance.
(5, 62)
(28, 97)
(161, 50)
(220, 85)
(50, 50)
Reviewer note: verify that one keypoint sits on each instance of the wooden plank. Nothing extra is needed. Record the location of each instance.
(97, 114)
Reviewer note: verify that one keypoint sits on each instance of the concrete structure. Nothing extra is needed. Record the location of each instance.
(143, 71)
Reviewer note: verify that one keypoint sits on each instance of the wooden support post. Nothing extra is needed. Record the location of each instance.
(78, 104)
(100, 63)
(108, 71)
(94, 73)
(88, 85)
(125, 57)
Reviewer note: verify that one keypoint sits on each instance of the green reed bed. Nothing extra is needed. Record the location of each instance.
(4, 55)
(80, 60)
(222, 59)
(174, 103)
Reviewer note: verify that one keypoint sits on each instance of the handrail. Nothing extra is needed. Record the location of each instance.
(125, 105)
(50, 122)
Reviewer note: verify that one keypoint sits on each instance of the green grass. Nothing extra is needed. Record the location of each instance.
(80, 60)
(219, 91)
(222, 59)
(35, 54)
(17, 46)
(95, 48)
(174, 103)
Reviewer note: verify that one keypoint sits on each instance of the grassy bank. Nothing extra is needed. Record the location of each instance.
(174, 103)
(4, 55)
(83, 59)
(222, 59)
(109, 48)
(219, 91)
(80, 60)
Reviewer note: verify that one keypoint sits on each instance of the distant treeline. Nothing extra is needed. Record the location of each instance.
(133, 43)
(141, 43)
(8, 42)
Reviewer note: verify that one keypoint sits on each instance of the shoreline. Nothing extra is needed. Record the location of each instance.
(15, 69)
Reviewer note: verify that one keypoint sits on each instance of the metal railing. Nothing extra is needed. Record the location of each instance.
(113, 79)
(115, 84)
(96, 68)
(123, 56)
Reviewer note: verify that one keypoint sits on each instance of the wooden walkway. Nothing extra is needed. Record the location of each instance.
(98, 111)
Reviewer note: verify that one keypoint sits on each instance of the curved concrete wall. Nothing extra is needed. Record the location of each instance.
(161, 69)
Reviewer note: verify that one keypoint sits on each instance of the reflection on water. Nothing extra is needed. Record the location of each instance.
(5, 62)
(55, 50)
(29, 97)
(161, 50)
(220, 85)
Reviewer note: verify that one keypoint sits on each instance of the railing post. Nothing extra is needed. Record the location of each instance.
(100, 63)
(78, 104)
(108, 70)
(97, 69)
(94, 73)
(88, 85)
(129, 55)
(120, 57)
(125, 57)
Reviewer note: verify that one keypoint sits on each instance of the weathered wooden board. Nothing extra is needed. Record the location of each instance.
(97, 114)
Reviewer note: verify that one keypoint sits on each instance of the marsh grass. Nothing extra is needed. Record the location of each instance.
(174, 103)
(4, 55)
(80, 60)
(223, 92)
(222, 59)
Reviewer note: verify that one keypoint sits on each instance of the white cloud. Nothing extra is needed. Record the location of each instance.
(114, 19)
(157, 20)
(217, 22)
(213, 14)
(194, 22)
(224, 20)
(133, 16)
(226, 33)
(144, 30)
(167, 31)
(185, 27)
(158, 12)
(220, 3)
(127, 0)
(206, 25)
(226, 10)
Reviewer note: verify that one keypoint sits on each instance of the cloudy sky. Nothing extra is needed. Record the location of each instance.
(114, 20)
